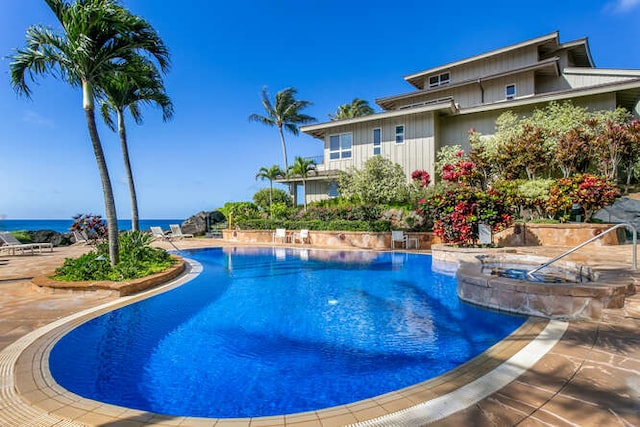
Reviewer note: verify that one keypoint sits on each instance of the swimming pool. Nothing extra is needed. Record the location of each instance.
(267, 331)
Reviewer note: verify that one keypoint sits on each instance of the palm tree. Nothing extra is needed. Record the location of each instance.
(301, 167)
(274, 172)
(97, 36)
(138, 82)
(357, 108)
(284, 113)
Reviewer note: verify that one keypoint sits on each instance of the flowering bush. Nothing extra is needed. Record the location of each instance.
(421, 177)
(462, 171)
(457, 210)
(590, 191)
(93, 226)
(593, 193)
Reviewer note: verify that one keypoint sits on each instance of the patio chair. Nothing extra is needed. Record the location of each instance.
(176, 232)
(302, 236)
(280, 233)
(11, 244)
(398, 236)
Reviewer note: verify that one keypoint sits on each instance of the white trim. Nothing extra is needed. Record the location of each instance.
(468, 395)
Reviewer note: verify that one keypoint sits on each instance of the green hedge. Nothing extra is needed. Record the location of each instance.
(317, 225)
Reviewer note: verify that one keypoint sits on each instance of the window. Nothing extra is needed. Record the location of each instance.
(340, 146)
(377, 141)
(400, 134)
(439, 80)
(333, 190)
(510, 91)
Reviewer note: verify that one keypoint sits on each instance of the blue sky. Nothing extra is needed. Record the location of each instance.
(223, 53)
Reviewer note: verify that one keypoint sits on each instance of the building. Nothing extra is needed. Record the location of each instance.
(448, 100)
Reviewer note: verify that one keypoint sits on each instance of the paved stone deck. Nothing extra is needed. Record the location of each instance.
(591, 377)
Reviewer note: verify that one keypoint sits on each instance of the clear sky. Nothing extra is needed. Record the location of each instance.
(223, 53)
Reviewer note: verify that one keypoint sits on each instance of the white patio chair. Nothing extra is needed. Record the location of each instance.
(398, 236)
(302, 236)
(280, 233)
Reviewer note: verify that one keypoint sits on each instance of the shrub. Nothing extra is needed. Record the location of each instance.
(589, 191)
(457, 210)
(137, 259)
(318, 225)
(261, 198)
(379, 181)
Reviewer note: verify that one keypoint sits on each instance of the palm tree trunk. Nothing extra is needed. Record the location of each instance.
(127, 166)
(270, 198)
(107, 190)
(290, 186)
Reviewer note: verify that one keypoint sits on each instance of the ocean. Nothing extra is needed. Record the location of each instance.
(62, 225)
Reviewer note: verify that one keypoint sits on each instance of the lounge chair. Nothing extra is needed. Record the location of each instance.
(280, 233)
(80, 237)
(302, 236)
(176, 232)
(11, 244)
(157, 233)
(398, 236)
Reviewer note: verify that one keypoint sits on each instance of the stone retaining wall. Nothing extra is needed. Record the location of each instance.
(332, 239)
(555, 235)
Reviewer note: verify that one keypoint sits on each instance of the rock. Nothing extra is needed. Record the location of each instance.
(623, 210)
(50, 236)
(202, 222)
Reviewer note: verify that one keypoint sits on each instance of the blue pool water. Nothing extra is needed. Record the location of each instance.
(266, 331)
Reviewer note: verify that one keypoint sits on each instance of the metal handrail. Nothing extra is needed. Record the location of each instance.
(562, 255)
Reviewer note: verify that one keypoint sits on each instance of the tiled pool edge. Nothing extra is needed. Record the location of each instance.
(57, 404)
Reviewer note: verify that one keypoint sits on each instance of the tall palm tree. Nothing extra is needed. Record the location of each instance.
(137, 83)
(357, 108)
(284, 113)
(301, 167)
(274, 172)
(97, 36)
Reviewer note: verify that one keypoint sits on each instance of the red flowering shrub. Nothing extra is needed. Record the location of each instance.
(589, 191)
(456, 212)
(93, 226)
(422, 177)
(463, 171)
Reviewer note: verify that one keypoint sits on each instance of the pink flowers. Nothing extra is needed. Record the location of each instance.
(422, 177)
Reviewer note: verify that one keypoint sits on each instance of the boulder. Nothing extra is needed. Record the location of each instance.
(623, 210)
(50, 236)
(202, 222)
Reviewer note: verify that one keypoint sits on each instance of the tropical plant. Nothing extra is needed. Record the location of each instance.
(283, 113)
(138, 259)
(274, 172)
(136, 83)
(97, 37)
(267, 199)
(379, 181)
(301, 167)
(357, 108)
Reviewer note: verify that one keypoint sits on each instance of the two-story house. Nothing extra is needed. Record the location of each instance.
(446, 101)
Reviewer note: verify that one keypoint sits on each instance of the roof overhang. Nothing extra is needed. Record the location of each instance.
(549, 64)
(313, 176)
(580, 51)
(417, 79)
(319, 130)
(629, 85)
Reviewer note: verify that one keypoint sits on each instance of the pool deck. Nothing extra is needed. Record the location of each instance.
(590, 377)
